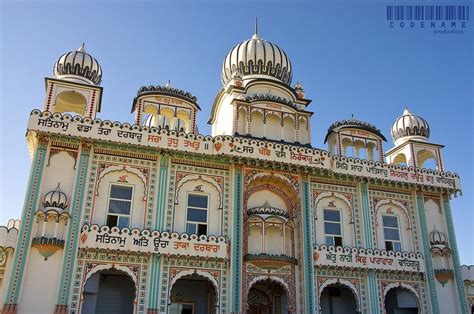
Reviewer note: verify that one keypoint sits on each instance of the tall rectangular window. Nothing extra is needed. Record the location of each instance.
(120, 205)
(333, 227)
(391, 233)
(196, 215)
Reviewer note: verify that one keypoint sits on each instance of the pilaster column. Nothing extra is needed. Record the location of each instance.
(71, 244)
(420, 204)
(308, 264)
(373, 299)
(455, 254)
(155, 260)
(236, 245)
(26, 225)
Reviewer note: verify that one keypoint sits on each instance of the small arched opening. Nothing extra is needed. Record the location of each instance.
(242, 125)
(193, 293)
(70, 102)
(401, 300)
(426, 159)
(109, 291)
(400, 159)
(267, 297)
(338, 299)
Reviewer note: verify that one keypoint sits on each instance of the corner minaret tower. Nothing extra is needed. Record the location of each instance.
(257, 99)
(410, 134)
(75, 88)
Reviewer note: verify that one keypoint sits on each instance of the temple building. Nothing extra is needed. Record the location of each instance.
(153, 217)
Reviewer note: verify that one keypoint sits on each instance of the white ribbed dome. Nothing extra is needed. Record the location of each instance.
(55, 198)
(410, 126)
(257, 57)
(78, 65)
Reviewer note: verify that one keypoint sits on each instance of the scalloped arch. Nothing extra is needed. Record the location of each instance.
(342, 282)
(129, 169)
(124, 269)
(397, 204)
(402, 286)
(274, 279)
(207, 275)
(324, 195)
(197, 177)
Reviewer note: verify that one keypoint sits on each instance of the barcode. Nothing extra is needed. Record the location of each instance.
(428, 12)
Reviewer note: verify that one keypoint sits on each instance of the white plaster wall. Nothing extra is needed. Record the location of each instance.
(214, 216)
(60, 170)
(435, 216)
(447, 297)
(224, 123)
(406, 233)
(41, 282)
(138, 204)
(259, 198)
(347, 227)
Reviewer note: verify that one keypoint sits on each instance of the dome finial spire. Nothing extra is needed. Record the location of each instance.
(82, 48)
(255, 35)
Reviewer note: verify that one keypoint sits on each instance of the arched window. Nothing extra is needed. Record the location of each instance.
(120, 205)
(197, 214)
(333, 227)
(391, 232)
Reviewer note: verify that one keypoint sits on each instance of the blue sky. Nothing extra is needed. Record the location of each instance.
(346, 55)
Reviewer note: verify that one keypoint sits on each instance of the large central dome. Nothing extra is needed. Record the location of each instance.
(259, 58)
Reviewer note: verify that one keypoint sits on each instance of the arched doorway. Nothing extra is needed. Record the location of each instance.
(267, 297)
(400, 300)
(193, 294)
(109, 291)
(338, 299)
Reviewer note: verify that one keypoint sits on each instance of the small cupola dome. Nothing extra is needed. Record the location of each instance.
(78, 66)
(55, 199)
(410, 126)
(267, 210)
(257, 57)
(438, 238)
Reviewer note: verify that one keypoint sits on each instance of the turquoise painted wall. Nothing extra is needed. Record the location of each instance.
(420, 202)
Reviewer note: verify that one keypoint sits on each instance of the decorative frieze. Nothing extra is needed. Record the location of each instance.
(155, 242)
(236, 147)
(367, 258)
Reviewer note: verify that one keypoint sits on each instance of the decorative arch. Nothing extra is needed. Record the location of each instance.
(324, 195)
(129, 169)
(188, 272)
(397, 204)
(271, 278)
(101, 267)
(198, 177)
(404, 286)
(344, 283)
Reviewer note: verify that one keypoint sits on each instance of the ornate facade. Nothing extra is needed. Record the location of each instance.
(153, 217)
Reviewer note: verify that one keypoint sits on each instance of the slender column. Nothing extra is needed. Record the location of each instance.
(26, 225)
(455, 255)
(155, 260)
(71, 244)
(236, 247)
(420, 202)
(369, 244)
(308, 264)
